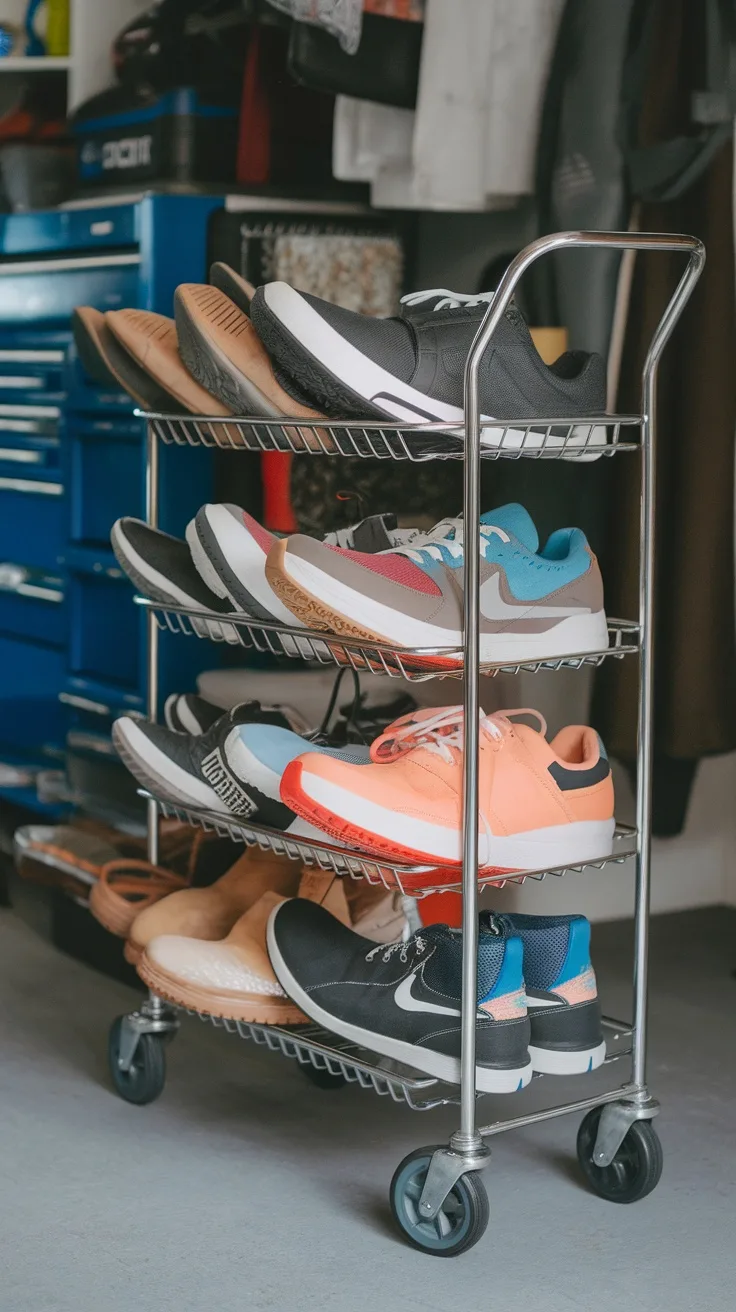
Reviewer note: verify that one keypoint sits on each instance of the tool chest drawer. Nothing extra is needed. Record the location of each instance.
(104, 635)
(32, 519)
(105, 477)
(48, 290)
(32, 677)
(32, 603)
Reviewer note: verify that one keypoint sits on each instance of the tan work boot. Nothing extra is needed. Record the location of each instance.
(232, 978)
(210, 913)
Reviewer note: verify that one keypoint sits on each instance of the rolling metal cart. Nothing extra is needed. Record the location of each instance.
(437, 1194)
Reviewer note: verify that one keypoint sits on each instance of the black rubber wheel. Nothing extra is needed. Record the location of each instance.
(634, 1171)
(322, 1078)
(145, 1080)
(461, 1220)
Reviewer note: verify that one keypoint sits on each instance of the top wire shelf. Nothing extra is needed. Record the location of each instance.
(584, 439)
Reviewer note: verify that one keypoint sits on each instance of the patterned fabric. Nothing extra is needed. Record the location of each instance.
(359, 273)
(343, 18)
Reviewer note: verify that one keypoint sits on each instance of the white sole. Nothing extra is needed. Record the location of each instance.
(438, 1064)
(156, 771)
(244, 557)
(548, 1061)
(573, 635)
(534, 849)
(169, 591)
(389, 394)
(247, 561)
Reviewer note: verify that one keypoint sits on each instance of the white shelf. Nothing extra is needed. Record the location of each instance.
(34, 63)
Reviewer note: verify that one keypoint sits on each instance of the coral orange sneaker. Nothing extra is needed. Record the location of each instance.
(542, 804)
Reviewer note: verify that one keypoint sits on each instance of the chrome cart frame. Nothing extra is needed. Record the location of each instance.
(447, 1172)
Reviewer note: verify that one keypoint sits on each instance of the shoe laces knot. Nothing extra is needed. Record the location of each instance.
(443, 734)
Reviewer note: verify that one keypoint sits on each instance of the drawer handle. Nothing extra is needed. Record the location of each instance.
(31, 357)
(64, 266)
(14, 578)
(84, 703)
(17, 455)
(30, 485)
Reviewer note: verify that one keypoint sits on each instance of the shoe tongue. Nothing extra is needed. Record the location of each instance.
(372, 534)
(517, 521)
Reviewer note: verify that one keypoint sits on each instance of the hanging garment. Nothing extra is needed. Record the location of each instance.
(473, 140)
(695, 631)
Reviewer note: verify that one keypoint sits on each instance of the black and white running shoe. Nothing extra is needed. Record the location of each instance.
(189, 769)
(412, 367)
(403, 1001)
(218, 770)
(160, 566)
(187, 712)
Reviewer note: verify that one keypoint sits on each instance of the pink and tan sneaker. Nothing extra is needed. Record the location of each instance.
(534, 604)
(211, 912)
(232, 977)
(542, 805)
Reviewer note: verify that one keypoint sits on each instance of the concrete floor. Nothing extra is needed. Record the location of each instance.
(245, 1188)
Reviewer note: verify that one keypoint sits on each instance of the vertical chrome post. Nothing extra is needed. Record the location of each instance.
(645, 729)
(152, 489)
(466, 1138)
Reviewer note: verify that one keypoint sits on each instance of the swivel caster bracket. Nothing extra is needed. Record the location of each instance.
(616, 1120)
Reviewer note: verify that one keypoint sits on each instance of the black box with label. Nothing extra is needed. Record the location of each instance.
(182, 136)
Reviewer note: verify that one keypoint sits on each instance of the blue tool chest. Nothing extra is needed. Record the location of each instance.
(72, 459)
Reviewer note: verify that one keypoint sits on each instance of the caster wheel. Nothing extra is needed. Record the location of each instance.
(145, 1080)
(323, 1079)
(634, 1171)
(461, 1220)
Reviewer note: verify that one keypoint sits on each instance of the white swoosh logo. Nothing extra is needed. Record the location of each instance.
(542, 1002)
(404, 998)
(493, 606)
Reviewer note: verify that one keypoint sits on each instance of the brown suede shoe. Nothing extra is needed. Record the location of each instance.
(210, 913)
(232, 978)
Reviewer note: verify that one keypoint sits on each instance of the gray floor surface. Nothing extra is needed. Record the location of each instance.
(246, 1188)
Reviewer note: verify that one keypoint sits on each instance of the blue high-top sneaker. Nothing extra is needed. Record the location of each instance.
(561, 992)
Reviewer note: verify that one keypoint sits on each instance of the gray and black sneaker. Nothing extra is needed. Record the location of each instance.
(403, 1001)
(561, 992)
(412, 367)
(187, 712)
(161, 568)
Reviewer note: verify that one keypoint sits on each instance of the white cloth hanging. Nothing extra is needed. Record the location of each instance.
(471, 143)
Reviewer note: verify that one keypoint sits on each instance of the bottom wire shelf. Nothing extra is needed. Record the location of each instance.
(325, 1051)
(412, 880)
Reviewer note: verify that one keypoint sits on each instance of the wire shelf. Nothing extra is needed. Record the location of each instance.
(412, 880)
(416, 664)
(325, 1051)
(584, 438)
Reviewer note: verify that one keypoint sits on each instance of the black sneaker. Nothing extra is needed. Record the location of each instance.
(403, 1001)
(411, 367)
(561, 992)
(161, 567)
(187, 712)
(191, 769)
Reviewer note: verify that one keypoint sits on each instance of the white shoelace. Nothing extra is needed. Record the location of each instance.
(448, 300)
(433, 545)
(419, 945)
(443, 733)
